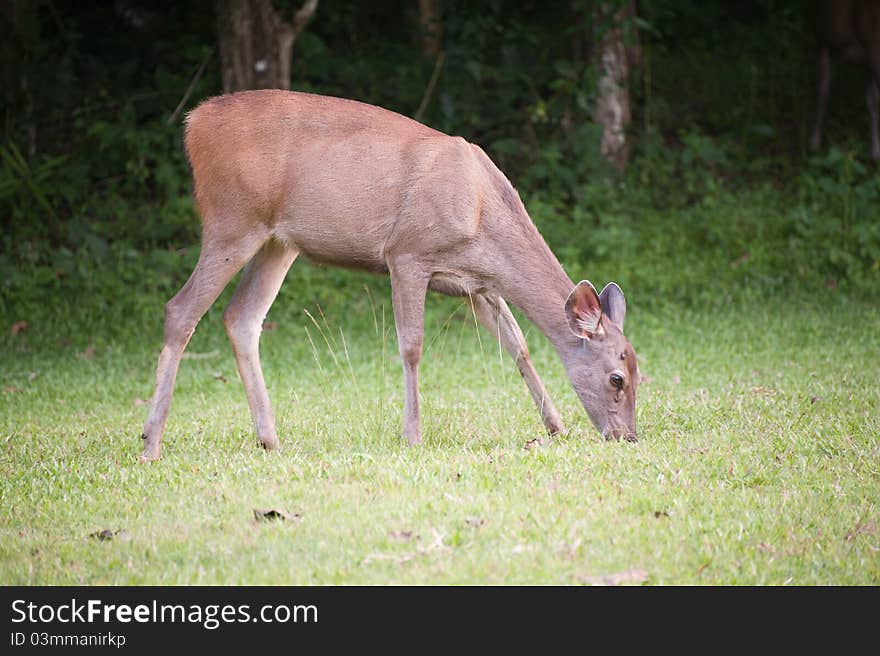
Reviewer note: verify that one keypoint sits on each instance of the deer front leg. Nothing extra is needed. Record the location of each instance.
(496, 317)
(409, 284)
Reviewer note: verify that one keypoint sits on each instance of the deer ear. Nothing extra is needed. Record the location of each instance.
(583, 309)
(614, 303)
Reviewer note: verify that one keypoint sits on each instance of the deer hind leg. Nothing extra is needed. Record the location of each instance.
(243, 318)
(495, 316)
(220, 259)
(409, 284)
(824, 86)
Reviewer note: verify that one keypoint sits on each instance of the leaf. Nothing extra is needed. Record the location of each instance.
(532, 444)
(88, 354)
(219, 376)
(271, 514)
(742, 259)
(661, 513)
(270, 325)
(105, 535)
(867, 528)
(404, 535)
(140, 403)
(18, 326)
(628, 577)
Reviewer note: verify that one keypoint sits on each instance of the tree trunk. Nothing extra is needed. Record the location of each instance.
(615, 53)
(256, 44)
(431, 25)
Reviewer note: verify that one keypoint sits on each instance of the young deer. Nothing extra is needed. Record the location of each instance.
(278, 174)
(851, 28)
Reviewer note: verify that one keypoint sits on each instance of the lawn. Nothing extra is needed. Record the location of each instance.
(757, 463)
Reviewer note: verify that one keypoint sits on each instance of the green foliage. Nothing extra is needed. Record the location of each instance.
(838, 219)
(95, 190)
(22, 184)
(755, 466)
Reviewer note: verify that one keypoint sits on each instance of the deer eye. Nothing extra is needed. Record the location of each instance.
(617, 381)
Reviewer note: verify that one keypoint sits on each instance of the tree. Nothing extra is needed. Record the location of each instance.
(431, 26)
(615, 52)
(256, 43)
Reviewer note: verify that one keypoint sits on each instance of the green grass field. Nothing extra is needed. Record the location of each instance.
(757, 463)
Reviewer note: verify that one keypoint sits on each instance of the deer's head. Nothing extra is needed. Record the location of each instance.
(601, 362)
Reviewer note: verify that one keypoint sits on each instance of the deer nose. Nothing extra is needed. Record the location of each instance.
(617, 433)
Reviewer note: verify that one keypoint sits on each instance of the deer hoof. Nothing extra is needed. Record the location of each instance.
(148, 456)
(270, 443)
(555, 430)
(152, 451)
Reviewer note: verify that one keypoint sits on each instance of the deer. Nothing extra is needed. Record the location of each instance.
(850, 29)
(279, 174)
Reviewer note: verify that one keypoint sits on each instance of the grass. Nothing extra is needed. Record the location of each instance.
(758, 460)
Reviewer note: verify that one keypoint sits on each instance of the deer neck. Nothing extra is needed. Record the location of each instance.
(536, 283)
